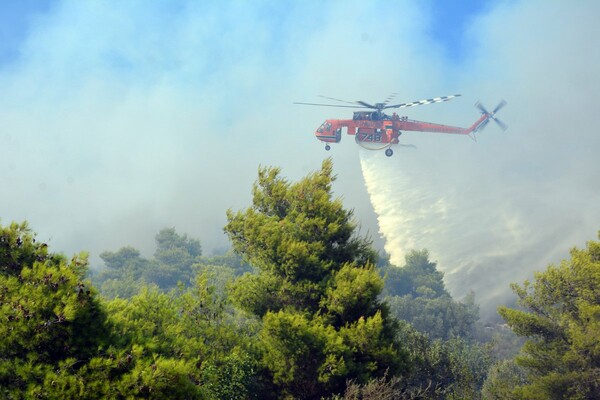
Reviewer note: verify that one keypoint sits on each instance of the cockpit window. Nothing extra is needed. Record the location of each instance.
(325, 126)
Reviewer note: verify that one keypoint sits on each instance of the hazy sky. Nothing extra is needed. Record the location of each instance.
(120, 118)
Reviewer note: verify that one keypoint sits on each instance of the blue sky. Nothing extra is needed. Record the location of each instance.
(119, 118)
(16, 18)
(448, 20)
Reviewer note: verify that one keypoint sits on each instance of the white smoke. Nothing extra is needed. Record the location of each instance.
(482, 239)
(492, 212)
(121, 118)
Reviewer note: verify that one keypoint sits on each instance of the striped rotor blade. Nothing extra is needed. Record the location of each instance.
(499, 106)
(422, 102)
(334, 99)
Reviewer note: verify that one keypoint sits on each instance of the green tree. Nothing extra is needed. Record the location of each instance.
(123, 276)
(57, 340)
(561, 320)
(50, 315)
(127, 272)
(503, 378)
(316, 289)
(191, 328)
(444, 369)
(419, 276)
(126, 257)
(416, 293)
(229, 260)
(168, 242)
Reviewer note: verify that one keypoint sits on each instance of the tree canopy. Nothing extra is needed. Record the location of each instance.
(299, 310)
(416, 293)
(560, 317)
(58, 339)
(316, 289)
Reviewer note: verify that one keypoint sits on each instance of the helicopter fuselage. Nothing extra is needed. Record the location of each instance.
(377, 127)
(375, 130)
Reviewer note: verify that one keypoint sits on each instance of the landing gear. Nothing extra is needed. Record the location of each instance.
(389, 152)
(327, 147)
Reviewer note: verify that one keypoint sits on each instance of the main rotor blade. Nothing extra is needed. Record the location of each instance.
(499, 106)
(340, 100)
(501, 124)
(362, 103)
(422, 102)
(481, 108)
(328, 105)
(390, 98)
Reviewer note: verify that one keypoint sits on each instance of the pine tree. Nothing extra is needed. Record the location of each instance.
(317, 288)
(51, 319)
(561, 320)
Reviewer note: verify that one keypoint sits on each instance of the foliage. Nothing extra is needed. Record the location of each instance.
(313, 317)
(381, 388)
(444, 369)
(418, 277)
(123, 276)
(505, 343)
(177, 260)
(441, 317)
(502, 379)
(50, 316)
(58, 340)
(229, 260)
(561, 319)
(127, 272)
(172, 247)
(416, 293)
(316, 289)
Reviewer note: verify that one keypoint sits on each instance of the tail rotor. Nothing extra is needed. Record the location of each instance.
(499, 106)
(491, 115)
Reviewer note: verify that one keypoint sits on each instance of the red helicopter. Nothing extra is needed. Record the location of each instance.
(375, 130)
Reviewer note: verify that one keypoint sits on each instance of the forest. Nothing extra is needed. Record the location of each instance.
(301, 307)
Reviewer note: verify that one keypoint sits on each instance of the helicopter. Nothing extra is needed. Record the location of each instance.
(375, 130)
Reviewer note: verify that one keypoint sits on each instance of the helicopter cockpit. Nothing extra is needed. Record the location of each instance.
(325, 127)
